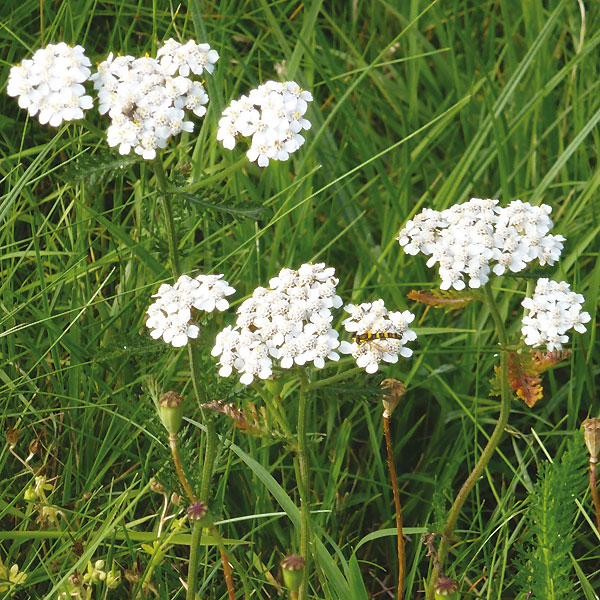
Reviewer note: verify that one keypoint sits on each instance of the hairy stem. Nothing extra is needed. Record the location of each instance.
(594, 490)
(192, 580)
(178, 467)
(209, 461)
(303, 487)
(394, 482)
(489, 449)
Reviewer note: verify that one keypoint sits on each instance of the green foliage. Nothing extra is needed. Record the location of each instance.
(544, 567)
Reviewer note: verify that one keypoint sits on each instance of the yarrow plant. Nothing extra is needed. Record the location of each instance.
(145, 99)
(50, 84)
(552, 311)
(373, 318)
(469, 240)
(290, 322)
(272, 115)
(170, 316)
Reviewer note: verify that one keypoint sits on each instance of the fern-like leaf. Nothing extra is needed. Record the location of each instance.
(544, 567)
(98, 168)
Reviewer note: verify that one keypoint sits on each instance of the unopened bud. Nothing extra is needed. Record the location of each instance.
(274, 385)
(591, 435)
(396, 389)
(157, 486)
(446, 588)
(34, 446)
(170, 409)
(292, 567)
(12, 437)
(197, 510)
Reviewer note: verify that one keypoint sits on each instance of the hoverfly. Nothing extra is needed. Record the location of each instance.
(363, 338)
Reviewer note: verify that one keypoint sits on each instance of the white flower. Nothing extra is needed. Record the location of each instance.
(370, 322)
(272, 115)
(185, 58)
(50, 84)
(290, 323)
(470, 240)
(551, 312)
(170, 316)
(146, 98)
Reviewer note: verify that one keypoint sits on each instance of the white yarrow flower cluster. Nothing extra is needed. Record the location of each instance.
(552, 311)
(472, 239)
(187, 58)
(272, 115)
(170, 316)
(145, 99)
(290, 322)
(50, 84)
(374, 318)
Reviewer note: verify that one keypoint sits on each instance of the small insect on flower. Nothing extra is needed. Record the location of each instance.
(363, 338)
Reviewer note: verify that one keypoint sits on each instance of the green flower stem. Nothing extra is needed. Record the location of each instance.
(302, 481)
(192, 581)
(163, 186)
(489, 449)
(209, 461)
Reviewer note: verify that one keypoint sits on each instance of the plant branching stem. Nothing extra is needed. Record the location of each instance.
(394, 482)
(490, 447)
(211, 435)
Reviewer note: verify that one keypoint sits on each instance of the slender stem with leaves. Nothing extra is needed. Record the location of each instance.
(490, 448)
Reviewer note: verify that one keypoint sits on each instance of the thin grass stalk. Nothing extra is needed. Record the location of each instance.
(489, 449)
(394, 482)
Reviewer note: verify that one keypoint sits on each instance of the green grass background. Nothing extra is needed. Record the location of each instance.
(417, 104)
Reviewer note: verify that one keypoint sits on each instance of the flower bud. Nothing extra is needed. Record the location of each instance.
(12, 437)
(170, 409)
(157, 486)
(396, 389)
(274, 385)
(197, 510)
(292, 567)
(446, 588)
(591, 435)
